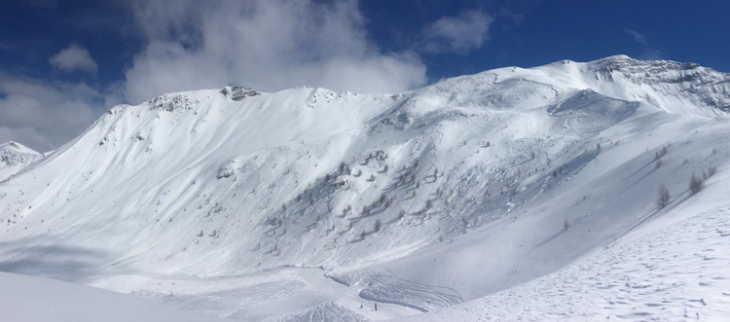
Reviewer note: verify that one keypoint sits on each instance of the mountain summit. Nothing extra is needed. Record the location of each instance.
(14, 157)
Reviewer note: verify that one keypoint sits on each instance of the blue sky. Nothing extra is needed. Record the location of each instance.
(64, 62)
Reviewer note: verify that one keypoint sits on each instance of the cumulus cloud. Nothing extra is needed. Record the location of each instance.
(74, 58)
(265, 44)
(460, 34)
(44, 115)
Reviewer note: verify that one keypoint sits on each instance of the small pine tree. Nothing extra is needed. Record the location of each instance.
(566, 224)
(695, 184)
(663, 197)
(658, 163)
(378, 224)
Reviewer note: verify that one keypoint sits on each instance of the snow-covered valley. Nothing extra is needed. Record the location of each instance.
(513, 194)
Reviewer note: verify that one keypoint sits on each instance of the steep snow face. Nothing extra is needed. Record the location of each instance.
(418, 201)
(14, 157)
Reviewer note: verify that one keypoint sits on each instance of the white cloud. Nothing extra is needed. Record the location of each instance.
(461, 34)
(265, 44)
(44, 115)
(74, 58)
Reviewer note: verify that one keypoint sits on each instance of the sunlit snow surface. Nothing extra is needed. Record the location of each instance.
(307, 204)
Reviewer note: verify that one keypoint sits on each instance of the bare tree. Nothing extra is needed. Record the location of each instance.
(663, 196)
(566, 224)
(696, 184)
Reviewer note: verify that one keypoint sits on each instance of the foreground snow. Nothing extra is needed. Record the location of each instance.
(34, 299)
(678, 273)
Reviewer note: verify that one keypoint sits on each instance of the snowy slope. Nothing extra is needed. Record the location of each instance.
(34, 299)
(14, 157)
(677, 273)
(307, 203)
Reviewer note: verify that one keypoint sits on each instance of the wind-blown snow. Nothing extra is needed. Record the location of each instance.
(320, 202)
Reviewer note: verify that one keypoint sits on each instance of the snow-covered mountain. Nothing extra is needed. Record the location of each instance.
(305, 203)
(14, 157)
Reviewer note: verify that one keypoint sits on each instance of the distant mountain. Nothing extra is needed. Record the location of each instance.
(14, 157)
(305, 203)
